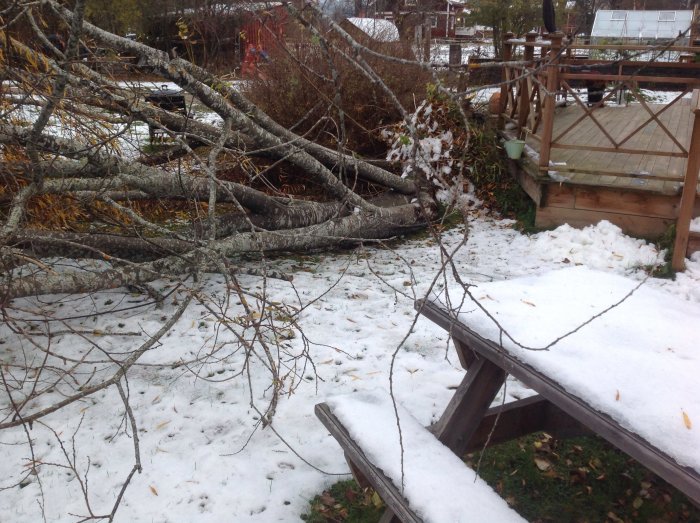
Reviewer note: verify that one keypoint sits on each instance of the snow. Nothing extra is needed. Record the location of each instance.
(377, 28)
(438, 484)
(206, 458)
(614, 362)
(695, 224)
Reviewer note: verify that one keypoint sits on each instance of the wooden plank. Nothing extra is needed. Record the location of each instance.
(626, 202)
(382, 484)
(467, 407)
(640, 226)
(688, 197)
(619, 150)
(522, 417)
(560, 195)
(613, 174)
(613, 78)
(683, 478)
(527, 182)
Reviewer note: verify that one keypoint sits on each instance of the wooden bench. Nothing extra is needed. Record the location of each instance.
(435, 485)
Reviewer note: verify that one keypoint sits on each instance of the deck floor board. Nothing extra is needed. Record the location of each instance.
(620, 121)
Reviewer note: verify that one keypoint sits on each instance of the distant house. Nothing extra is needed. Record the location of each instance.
(219, 30)
(439, 15)
(643, 27)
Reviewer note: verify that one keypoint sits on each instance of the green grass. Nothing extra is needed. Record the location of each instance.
(578, 480)
(345, 501)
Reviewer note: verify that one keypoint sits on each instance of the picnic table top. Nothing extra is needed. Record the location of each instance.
(638, 363)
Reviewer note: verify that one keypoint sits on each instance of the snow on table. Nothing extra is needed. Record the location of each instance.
(638, 363)
(439, 486)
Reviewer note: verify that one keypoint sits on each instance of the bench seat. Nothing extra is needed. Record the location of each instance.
(437, 486)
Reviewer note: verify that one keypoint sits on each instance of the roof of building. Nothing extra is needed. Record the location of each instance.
(662, 25)
(377, 28)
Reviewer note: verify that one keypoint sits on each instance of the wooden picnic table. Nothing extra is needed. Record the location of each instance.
(656, 349)
(468, 418)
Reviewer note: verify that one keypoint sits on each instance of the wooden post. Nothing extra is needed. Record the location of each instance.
(550, 99)
(685, 213)
(524, 103)
(507, 55)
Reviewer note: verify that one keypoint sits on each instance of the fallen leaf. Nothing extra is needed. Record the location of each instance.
(617, 395)
(162, 424)
(153, 490)
(543, 464)
(686, 421)
(637, 503)
(613, 517)
(528, 303)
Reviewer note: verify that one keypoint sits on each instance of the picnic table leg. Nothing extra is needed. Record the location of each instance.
(467, 407)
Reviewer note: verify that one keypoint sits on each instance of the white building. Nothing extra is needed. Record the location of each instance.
(644, 27)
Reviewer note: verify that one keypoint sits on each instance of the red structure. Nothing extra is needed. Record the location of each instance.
(262, 30)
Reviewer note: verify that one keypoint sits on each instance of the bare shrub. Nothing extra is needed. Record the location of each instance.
(303, 79)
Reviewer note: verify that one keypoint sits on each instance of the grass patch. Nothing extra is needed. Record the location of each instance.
(345, 501)
(577, 480)
(667, 241)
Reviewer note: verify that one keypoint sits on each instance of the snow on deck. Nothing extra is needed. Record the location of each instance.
(639, 362)
(439, 486)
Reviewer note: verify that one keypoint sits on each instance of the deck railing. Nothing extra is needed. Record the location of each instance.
(543, 71)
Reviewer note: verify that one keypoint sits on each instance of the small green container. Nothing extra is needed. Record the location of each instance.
(514, 148)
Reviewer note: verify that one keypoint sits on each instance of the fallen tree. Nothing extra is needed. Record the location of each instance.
(87, 208)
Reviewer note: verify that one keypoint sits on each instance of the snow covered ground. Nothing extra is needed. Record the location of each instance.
(203, 458)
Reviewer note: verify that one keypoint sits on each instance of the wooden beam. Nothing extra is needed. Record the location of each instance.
(527, 182)
(685, 213)
(639, 203)
(640, 226)
(550, 99)
(470, 402)
(522, 417)
(621, 150)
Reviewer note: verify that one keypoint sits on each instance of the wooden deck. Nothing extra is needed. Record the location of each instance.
(628, 164)
(642, 194)
(662, 174)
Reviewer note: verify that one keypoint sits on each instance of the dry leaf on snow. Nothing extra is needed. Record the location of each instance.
(686, 420)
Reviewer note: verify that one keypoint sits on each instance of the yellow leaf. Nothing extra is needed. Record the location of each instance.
(161, 425)
(686, 421)
(153, 490)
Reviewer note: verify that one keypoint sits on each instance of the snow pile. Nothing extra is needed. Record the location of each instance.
(570, 245)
